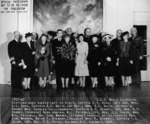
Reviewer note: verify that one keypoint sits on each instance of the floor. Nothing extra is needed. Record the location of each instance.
(92, 102)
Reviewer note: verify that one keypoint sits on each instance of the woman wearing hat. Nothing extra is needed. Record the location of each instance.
(28, 60)
(109, 60)
(125, 59)
(42, 54)
(81, 68)
(68, 52)
(95, 60)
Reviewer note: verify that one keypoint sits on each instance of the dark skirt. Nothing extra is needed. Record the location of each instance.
(43, 68)
(67, 68)
(94, 69)
(125, 68)
(109, 69)
(29, 71)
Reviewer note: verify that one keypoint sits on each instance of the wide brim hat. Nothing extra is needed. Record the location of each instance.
(106, 35)
(28, 35)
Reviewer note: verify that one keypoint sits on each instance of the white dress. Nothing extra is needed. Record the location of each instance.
(81, 68)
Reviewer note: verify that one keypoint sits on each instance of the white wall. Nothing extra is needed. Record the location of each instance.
(10, 22)
(124, 14)
(117, 14)
(120, 13)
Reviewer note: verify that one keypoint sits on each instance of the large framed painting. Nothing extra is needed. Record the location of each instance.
(60, 14)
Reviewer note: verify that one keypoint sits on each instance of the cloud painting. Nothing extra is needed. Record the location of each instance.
(78, 14)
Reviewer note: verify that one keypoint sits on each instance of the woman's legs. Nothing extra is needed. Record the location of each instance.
(49, 78)
(80, 82)
(44, 82)
(126, 80)
(24, 83)
(28, 82)
(112, 81)
(129, 80)
(72, 80)
(40, 81)
(63, 82)
(94, 82)
(83, 81)
(123, 80)
(92, 79)
(109, 79)
(106, 81)
(77, 80)
(67, 82)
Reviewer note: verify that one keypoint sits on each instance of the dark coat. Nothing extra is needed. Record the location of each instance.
(109, 68)
(138, 50)
(88, 39)
(68, 52)
(125, 56)
(28, 52)
(56, 49)
(56, 46)
(116, 45)
(14, 53)
(94, 58)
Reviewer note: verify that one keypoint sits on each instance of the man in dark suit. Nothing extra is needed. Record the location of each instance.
(87, 36)
(14, 53)
(116, 46)
(138, 48)
(56, 45)
(88, 39)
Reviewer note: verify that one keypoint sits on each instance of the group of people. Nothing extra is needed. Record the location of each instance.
(76, 58)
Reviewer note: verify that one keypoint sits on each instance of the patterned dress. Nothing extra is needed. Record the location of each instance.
(81, 68)
(68, 52)
(43, 65)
